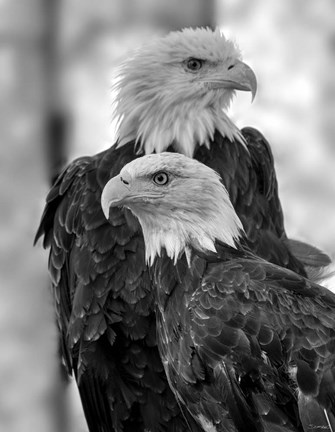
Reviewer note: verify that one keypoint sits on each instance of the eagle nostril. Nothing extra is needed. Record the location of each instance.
(230, 67)
(124, 181)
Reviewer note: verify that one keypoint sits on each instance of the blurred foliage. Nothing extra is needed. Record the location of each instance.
(290, 44)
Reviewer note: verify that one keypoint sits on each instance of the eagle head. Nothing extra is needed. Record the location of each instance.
(174, 91)
(181, 204)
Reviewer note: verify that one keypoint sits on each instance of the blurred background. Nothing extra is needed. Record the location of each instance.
(57, 59)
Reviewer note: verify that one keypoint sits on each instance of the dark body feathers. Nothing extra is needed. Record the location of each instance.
(104, 300)
(247, 345)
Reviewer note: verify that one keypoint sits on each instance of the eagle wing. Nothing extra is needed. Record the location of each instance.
(248, 172)
(313, 259)
(267, 333)
(104, 301)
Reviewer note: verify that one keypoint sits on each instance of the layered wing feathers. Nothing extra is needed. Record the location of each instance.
(252, 347)
(274, 329)
(249, 176)
(104, 302)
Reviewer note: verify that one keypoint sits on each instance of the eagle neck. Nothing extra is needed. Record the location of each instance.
(184, 126)
(176, 281)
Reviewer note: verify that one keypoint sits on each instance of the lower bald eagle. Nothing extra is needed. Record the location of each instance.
(172, 96)
(246, 345)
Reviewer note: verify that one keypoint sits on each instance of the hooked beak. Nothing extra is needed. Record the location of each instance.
(119, 192)
(238, 77)
(114, 194)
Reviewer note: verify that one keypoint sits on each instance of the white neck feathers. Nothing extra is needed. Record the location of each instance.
(182, 230)
(185, 126)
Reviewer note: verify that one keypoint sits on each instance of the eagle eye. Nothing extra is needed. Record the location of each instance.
(194, 64)
(161, 178)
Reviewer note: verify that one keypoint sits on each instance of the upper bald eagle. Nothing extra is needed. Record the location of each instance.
(247, 345)
(172, 96)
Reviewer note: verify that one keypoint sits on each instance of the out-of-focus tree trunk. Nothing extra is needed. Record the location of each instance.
(27, 365)
(55, 125)
(56, 120)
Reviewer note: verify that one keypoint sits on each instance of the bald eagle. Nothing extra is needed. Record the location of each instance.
(172, 95)
(246, 345)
